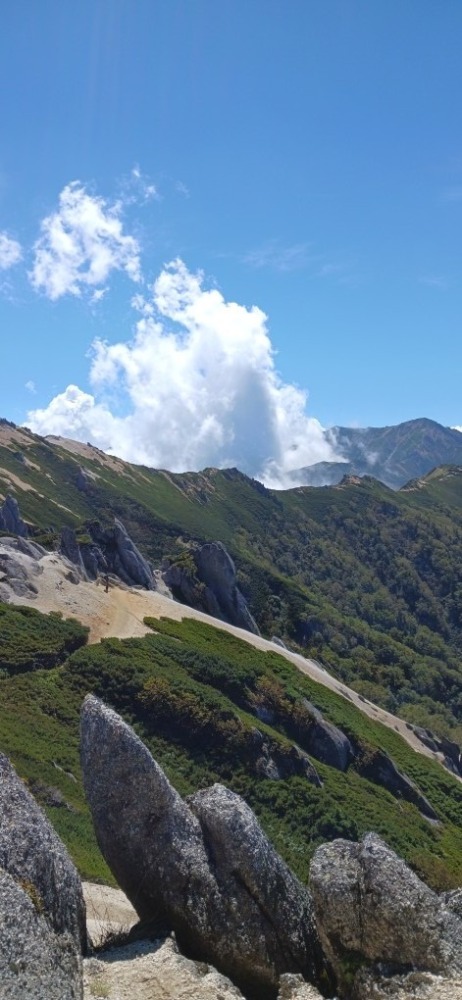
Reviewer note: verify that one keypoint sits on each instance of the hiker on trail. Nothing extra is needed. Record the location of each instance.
(106, 581)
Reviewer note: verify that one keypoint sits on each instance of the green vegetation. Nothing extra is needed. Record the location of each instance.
(192, 693)
(364, 579)
(29, 640)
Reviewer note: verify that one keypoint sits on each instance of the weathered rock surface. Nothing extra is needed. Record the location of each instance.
(380, 768)
(202, 868)
(293, 987)
(212, 587)
(15, 571)
(147, 970)
(256, 882)
(10, 518)
(217, 570)
(325, 741)
(70, 549)
(453, 901)
(452, 756)
(370, 904)
(128, 562)
(111, 550)
(377, 985)
(36, 962)
(272, 763)
(32, 853)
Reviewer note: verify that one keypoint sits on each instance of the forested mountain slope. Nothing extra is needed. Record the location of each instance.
(363, 578)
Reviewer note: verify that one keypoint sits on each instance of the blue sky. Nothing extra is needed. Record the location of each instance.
(306, 157)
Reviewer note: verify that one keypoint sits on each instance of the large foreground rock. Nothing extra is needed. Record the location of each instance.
(370, 907)
(32, 853)
(204, 869)
(36, 963)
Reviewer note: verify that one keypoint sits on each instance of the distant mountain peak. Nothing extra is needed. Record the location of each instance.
(393, 454)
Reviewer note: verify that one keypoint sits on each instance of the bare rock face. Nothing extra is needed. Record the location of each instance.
(36, 962)
(129, 564)
(378, 985)
(10, 518)
(209, 584)
(271, 762)
(293, 987)
(32, 853)
(452, 756)
(257, 883)
(108, 550)
(370, 906)
(325, 741)
(203, 869)
(217, 570)
(381, 769)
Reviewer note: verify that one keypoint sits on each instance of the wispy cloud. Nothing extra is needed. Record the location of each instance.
(280, 258)
(452, 194)
(142, 187)
(182, 189)
(438, 281)
(81, 244)
(10, 252)
(297, 257)
(30, 386)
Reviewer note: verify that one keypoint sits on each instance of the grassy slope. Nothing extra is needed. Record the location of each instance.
(367, 580)
(188, 690)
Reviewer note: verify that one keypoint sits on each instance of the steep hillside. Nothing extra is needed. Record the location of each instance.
(212, 707)
(365, 579)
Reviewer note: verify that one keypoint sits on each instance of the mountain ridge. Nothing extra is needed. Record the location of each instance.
(393, 454)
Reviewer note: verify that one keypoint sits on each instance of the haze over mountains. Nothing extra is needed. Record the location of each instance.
(394, 455)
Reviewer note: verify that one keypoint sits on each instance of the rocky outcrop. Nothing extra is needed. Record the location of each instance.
(450, 751)
(293, 987)
(70, 549)
(146, 970)
(19, 563)
(378, 984)
(325, 741)
(10, 518)
(107, 550)
(209, 584)
(128, 562)
(278, 763)
(36, 962)
(379, 768)
(217, 570)
(33, 855)
(371, 908)
(202, 868)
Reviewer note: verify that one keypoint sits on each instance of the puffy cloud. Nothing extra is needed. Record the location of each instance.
(197, 386)
(10, 252)
(81, 244)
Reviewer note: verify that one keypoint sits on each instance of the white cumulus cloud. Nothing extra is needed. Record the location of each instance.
(80, 244)
(196, 386)
(10, 252)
